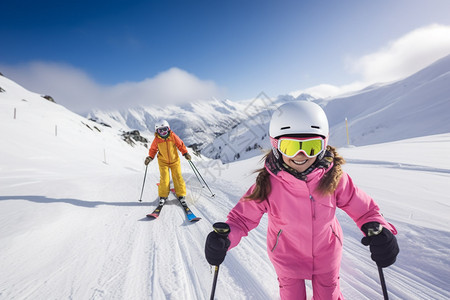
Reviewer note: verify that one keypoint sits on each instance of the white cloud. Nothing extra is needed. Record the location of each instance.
(327, 90)
(77, 91)
(398, 59)
(173, 86)
(405, 56)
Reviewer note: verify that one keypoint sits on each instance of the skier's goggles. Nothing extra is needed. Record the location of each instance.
(163, 131)
(290, 147)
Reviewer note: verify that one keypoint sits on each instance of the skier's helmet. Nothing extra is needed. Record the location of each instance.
(298, 119)
(162, 128)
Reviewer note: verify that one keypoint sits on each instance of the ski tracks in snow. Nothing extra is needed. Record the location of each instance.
(175, 252)
(89, 239)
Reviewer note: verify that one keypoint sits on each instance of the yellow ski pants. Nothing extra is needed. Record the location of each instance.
(164, 180)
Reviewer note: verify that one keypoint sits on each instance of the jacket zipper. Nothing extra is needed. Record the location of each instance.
(168, 152)
(313, 206)
(313, 209)
(335, 234)
(276, 242)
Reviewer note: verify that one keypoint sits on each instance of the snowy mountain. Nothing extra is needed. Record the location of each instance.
(230, 131)
(408, 108)
(198, 123)
(195, 123)
(415, 106)
(71, 226)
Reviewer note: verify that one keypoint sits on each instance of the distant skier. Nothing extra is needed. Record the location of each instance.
(166, 143)
(300, 187)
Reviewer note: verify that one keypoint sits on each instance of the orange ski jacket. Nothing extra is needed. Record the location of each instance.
(167, 148)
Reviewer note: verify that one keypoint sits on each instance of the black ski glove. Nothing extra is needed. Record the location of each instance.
(148, 159)
(217, 244)
(382, 243)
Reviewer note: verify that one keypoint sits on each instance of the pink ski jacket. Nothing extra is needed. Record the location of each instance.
(303, 235)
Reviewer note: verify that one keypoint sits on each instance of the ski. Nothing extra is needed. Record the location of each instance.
(189, 214)
(155, 213)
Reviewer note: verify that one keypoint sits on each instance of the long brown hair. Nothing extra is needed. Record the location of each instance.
(330, 180)
(327, 184)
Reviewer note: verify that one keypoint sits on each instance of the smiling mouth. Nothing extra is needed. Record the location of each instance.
(299, 163)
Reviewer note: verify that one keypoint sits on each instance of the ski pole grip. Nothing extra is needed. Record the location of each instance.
(375, 230)
(222, 229)
(372, 228)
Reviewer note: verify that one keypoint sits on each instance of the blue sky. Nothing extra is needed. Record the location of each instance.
(182, 50)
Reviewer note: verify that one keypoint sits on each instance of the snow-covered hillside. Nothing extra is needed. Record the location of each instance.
(197, 123)
(415, 106)
(205, 125)
(71, 225)
(250, 137)
(412, 107)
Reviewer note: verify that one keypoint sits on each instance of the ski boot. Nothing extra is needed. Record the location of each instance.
(182, 200)
(162, 200)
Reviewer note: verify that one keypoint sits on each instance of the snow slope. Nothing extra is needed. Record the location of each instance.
(71, 226)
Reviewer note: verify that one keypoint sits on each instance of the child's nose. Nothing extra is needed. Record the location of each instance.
(301, 155)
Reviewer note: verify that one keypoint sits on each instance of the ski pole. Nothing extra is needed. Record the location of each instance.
(223, 232)
(372, 232)
(383, 283)
(196, 175)
(216, 273)
(143, 184)
(194, 168)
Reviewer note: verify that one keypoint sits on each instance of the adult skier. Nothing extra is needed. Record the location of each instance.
(300, 187)
(165, 144)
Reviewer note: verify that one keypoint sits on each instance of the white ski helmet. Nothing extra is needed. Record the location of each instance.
(300, 117)
(161, 124)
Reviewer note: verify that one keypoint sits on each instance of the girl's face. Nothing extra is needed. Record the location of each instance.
(300, 162)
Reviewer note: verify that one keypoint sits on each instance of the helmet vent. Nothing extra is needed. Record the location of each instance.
(315, 127)
(287, 127)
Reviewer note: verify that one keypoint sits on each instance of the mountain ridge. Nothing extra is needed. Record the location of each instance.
(231, 130)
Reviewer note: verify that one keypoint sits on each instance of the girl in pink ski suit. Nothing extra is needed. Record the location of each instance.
(300, 194)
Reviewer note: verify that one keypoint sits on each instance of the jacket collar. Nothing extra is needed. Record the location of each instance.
(163, 138)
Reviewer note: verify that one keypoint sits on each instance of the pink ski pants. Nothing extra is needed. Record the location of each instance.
(325, 287)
